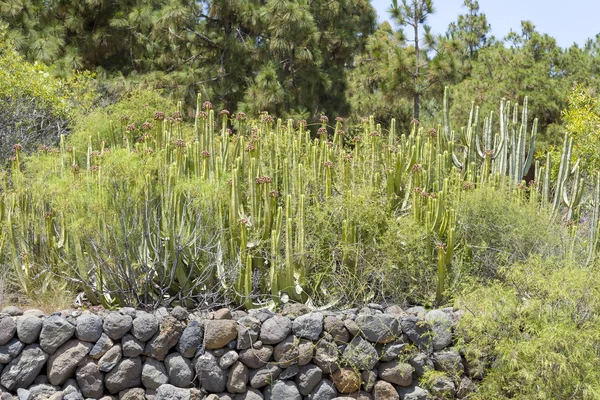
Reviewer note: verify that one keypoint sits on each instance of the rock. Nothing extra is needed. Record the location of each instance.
(306, 350)
(380, 328)
(63, 363)
(116, 325)
(132, 394)
(395, 310)
(263, 376)
(13, 311)
(223, 313)
(418, 332)
(325, 390)
(28, 329)
(167, 337)
(228, 359)
(127, 374)
(391, 351)
(251, 394)
(90, 379)
(284, 390)
(238, 378)
(263, 314)
(360, 354)
(179, 369)
(10, 350)
(218, 333)
(414, 393)
(441, 326)
(180, 313)
(256, 358)
(8, 328)
(465, 388)
(352, 327)
(41, 391)
(275, 329)
(110, 360)
(131, 346)
(22, 371)
(212, 378)
(346, 380)
(55, 332)
(385, 391)
(286, 352)
(170, 392)
(289, 372)
(132, 312)
(191, 338)
(34, 312)
(248, 331)
(154, 374)
(396, 372)
(421, 363)
(100, 348)
(442, 387)
(368, 380)
(357, 396)
(326, 356)
(144, 326)
(308, 378)
(89, 327)
(71, 386)
(308, 326)
(449, 361)
(335, 327)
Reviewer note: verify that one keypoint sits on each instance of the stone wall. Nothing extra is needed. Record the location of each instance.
(371, 353)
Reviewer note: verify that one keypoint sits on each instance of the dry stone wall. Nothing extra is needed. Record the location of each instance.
(368, 353)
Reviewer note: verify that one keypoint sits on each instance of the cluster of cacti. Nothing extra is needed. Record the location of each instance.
(129, 220)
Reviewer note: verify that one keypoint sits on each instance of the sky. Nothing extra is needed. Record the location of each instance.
(572, 21)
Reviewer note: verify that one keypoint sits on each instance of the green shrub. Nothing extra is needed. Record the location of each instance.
(538, 329)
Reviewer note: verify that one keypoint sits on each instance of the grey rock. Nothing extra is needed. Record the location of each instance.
(154, 374)
(100, 348)
(418, 332)
(442, 387)
(380, 328)
(385, 391)
(28, 329)
(368, 380)
(23, 394)
(308, 378)
(89, 327)
(212, 378)
(289, 372)
(335, 327)
(228, 359)
(144, 326)
(251, 394)
(264, 376)
(449, 361)
(191, 338)
(63, 363)
(325, 390)
(167, 337)
(396, 372)
(13, 311)
(55, 332)
(275, 329)
(286, 352)
(8, 328)
(116, 325)
(128, 311)
(170, 392)
(308, 326)
(352, 327)
(34, 312)
(421, 363)
(179, 369)
(41, 391)
(256, 358)
(132, 394)
(306, 350)
(465, 388)
(414, 393)
(223, 313)
(238, 378)
(22, 371)
(127, 374)
(110, 360)
(391, 351)
(180, 313)
(248, 332)
(263, 314)
(284, 390)
(90, 379)
(441, 326)
(131, 346)
(218, 333)
(360, 354)
(10, 350)
(326, 356)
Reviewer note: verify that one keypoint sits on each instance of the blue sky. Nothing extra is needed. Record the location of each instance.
(572, 21)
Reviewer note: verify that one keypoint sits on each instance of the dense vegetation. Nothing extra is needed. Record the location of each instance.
(310, 191)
